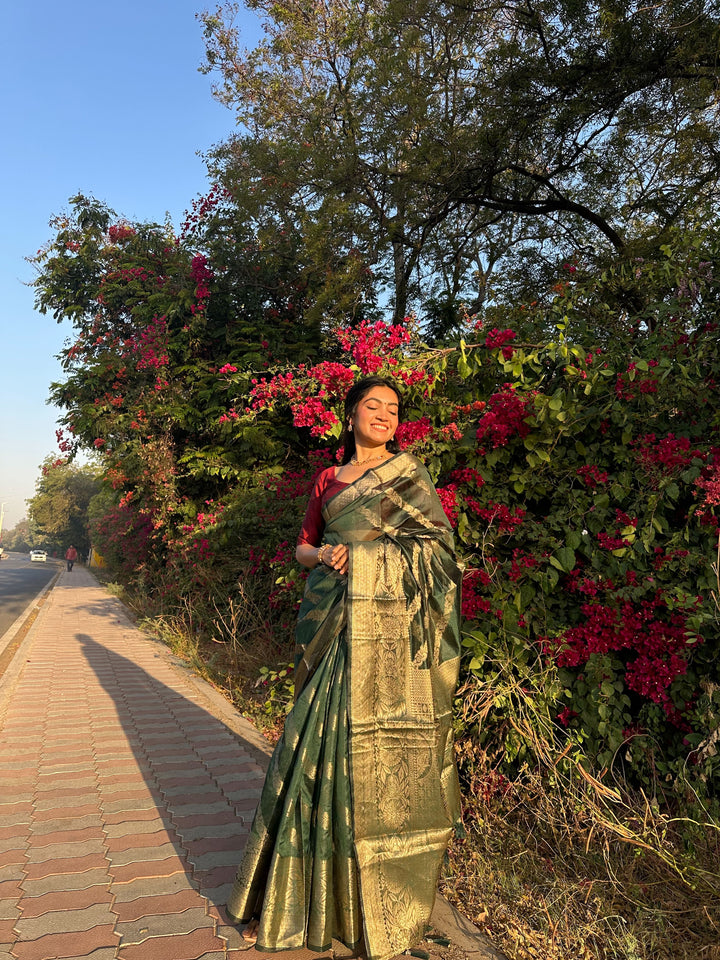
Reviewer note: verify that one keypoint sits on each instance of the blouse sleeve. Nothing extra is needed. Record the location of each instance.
(313, 524)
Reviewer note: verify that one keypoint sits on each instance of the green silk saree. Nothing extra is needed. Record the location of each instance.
(361, 796)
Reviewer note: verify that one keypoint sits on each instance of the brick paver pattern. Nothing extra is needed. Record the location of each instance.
(125, 801)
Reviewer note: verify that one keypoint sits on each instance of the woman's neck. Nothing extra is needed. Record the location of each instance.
(363, 453)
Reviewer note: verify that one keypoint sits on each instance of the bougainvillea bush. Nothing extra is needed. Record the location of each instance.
(583, 483)
(574, 443)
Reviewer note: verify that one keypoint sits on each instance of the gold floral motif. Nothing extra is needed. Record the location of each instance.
(405, 920)
(393, 777)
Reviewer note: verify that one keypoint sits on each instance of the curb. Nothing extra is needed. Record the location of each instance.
(7, 637)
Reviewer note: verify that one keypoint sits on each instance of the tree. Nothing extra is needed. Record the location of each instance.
(58, 512)
(158, 326)
(583, 485)
(18, 538)
(428, 139)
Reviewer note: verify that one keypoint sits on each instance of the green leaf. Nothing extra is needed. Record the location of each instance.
(463, 368)
(463, 526)
(527, 594)
(672, 490)
(573, 539)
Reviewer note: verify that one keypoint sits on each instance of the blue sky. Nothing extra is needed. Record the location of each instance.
(99, 98)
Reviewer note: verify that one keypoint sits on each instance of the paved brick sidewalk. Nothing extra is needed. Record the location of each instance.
(125, 799)
(127, 788)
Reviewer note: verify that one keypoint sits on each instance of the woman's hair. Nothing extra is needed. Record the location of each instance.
(354, 395)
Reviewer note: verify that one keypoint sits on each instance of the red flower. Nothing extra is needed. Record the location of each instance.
(505, 417)
(498, 338)
(312, 413)
(448, 498)
(654, 638)
(592, 476)
(413, 431)
(473, 606)
(370, 344)
(612, 543)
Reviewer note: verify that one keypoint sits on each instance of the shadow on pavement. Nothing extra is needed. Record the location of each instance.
(176, 757)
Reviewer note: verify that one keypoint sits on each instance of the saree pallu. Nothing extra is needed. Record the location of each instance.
(361, 796)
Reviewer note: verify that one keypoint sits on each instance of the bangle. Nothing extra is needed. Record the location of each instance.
(321, 551)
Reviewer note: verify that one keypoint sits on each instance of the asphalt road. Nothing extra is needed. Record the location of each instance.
(20, 582)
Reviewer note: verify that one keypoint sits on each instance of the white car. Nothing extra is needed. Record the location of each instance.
(40, 555)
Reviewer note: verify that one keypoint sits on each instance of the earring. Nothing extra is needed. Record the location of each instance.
(349, 428)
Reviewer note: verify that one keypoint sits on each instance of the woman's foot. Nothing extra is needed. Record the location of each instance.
(250, 931)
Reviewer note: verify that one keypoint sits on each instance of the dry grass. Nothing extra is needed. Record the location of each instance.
(546, 875)
(561, 865)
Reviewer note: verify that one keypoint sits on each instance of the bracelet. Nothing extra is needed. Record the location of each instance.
(321, 551)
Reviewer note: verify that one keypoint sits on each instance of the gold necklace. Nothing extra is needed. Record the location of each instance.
(356, 463)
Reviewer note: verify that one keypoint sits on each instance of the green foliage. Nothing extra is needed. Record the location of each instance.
(280, 688)
(18, 538)
(609, 572)
(540, 185)
(158, 333)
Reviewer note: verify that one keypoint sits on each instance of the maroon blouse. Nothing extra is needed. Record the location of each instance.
(326, 486)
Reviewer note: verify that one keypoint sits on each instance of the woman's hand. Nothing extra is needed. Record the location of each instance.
(337, 558)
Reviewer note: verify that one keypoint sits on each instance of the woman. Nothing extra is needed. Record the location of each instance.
(361, 795)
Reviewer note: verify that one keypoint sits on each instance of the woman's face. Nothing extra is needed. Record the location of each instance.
(376, 417)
